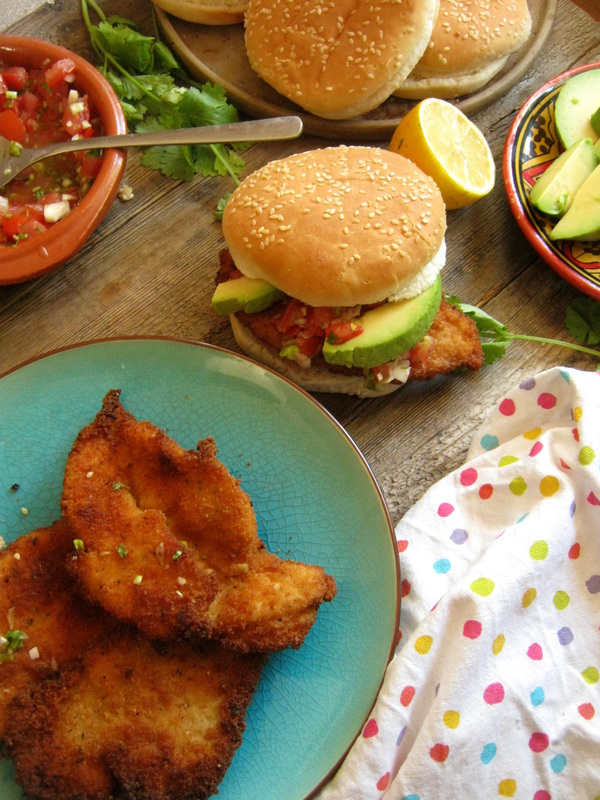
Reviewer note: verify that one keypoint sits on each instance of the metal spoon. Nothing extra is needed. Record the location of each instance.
(260, 130)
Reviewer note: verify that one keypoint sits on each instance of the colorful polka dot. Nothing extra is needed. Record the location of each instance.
(493, 694)
(507, 787)
(452, 719)
(577, 413)
(561, 600)
(593, 584)
(546, 401)
(586, 456)
(558, 763)
(518, 486)
(542, 794)
(468, 476)
(383, 782)
(488, 753)
(506, 461)
(528, 384)
(507, 407)
(445, 509)
(538, 742)
(472, 629)
(483, 587)
(442, 566)
(532, 434)
(459, 536)
(592, 499)
(411, 797)
(528, 597)
(575, 551)
(536, 449)
(423, 644)
(405, 587)
(586, 710)
(590, 675)
(402, 545)
(539, 550)
(371, 729)
(549, 485)
(401, 736)
(439, 753)
(486, 491)
(498, 644)
(489, 442)
(406, 695)
(565, 636)
(535, 652)
(537, 697)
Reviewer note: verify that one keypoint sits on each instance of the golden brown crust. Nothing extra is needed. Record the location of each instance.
(206, 12)
(336, 226)
(470, 43)
(134, 719)
(193, 564)
(37, 597)
(337, 60)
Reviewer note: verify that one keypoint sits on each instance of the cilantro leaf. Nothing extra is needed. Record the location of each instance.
(157, 94)
(583, 320)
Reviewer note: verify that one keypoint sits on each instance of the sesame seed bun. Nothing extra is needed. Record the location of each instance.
(471, 42)
(206, 12)
(337, 59)
(337, 226)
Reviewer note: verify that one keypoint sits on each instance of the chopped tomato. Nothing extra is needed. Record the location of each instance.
(294, 316)
(47, 108)
(11, 126)
(61, 70)
(341, 331)
(14, 78)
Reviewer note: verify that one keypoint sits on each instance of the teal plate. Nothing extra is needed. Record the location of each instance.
(315, 500)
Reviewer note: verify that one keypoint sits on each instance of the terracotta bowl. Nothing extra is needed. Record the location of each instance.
(48, 250)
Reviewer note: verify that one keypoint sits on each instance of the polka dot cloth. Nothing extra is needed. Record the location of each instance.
(494, 690)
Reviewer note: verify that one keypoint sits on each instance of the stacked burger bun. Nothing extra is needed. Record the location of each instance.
(340, 59)
(470, 44)
(206, 12)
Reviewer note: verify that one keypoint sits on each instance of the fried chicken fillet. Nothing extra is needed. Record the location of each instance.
(133, 720)
(36, 599)
(171, 544)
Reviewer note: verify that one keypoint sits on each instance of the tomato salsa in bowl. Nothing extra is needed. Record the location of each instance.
(48, 94)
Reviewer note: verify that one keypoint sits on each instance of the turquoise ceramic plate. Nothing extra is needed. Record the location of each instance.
(315, 499)
(531, 146)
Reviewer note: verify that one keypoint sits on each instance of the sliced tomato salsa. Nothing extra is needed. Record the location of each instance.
(40, 107)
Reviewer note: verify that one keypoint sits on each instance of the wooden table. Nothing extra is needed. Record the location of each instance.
(149, 270)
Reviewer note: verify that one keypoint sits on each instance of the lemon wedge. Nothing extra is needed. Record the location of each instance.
(446, 145)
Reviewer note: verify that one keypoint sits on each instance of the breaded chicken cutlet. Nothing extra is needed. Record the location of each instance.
(170, 542)
(37, 601)
(134, 720)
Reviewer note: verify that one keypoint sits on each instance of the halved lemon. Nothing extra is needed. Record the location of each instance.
(446, 145)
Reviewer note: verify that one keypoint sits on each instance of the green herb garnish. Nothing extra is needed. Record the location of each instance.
(582, 322)
(117, 486)
(122, 550)
(157, 94)
(10, 643)
(78, 544)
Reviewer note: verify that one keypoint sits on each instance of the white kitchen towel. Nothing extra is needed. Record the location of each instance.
(494, 689)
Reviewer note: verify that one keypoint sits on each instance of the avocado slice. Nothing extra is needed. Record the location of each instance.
(574, 106)
(582, 220)
(554, 190)
(388, 330)
(244, 294)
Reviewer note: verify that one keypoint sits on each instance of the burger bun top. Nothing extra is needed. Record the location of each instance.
(337, 226)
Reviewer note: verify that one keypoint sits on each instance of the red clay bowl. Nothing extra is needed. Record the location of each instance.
(48, 250)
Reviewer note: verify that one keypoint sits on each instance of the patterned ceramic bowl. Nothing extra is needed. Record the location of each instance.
(48, 250)
(531, 145)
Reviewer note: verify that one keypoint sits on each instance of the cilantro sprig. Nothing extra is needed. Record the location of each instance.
(157, 94)
(582, 322)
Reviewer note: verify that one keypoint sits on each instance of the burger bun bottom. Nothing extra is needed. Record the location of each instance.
(449, 86)
(315, 379)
